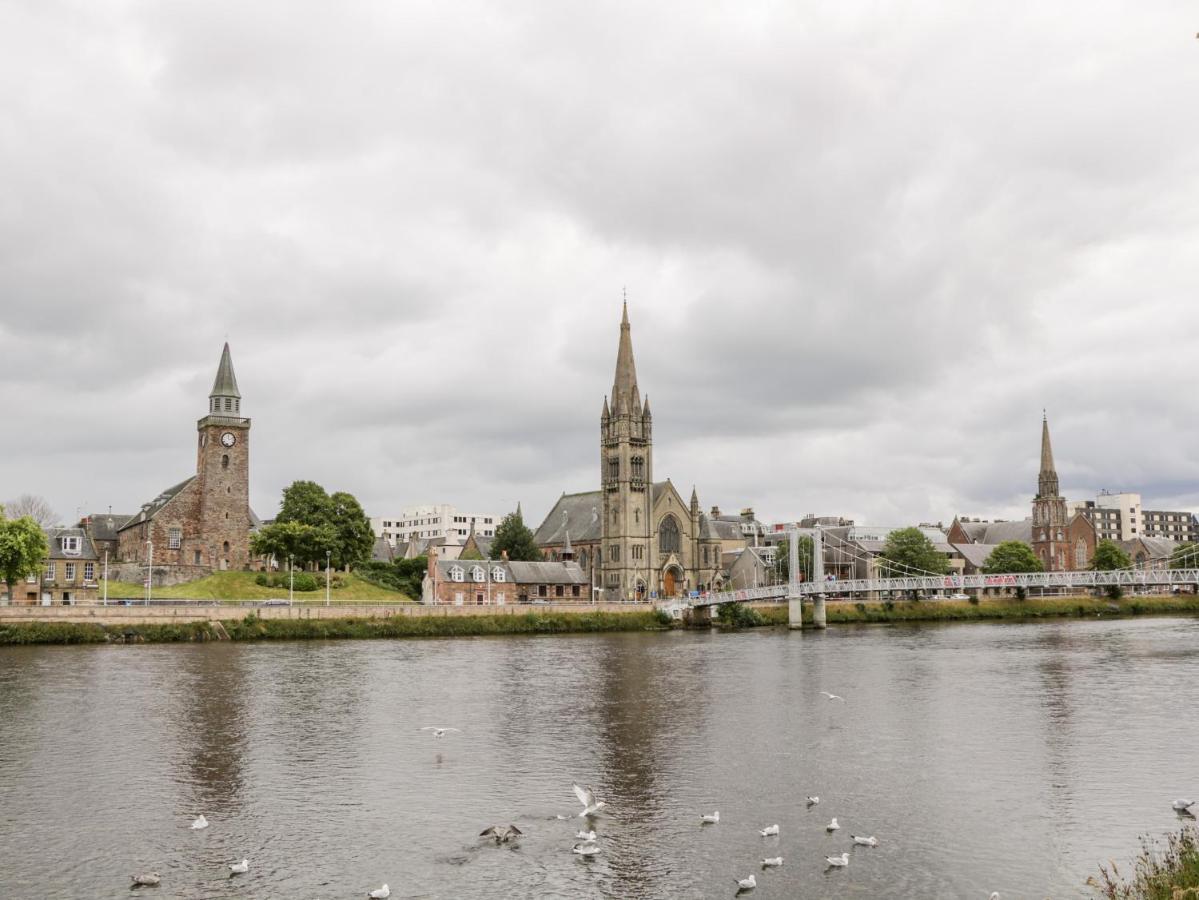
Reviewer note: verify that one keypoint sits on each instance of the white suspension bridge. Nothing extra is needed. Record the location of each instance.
(796, 591)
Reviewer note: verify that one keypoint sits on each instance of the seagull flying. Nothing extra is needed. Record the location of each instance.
(769, 831)
(772, 861)
(585, 849)
(832, 826)
(149, 879)
(833, 696)
(865, 841)
(587, 797)
(439, 732)
(240, 868)
(380, 893)
(841, 861)
(710, 818)
(200, 822)
(1184, 805)
(588, 836)
(812, 801)
(747, 884)
(502, 833)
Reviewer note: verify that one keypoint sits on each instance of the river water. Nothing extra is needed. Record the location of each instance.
(1006, 757)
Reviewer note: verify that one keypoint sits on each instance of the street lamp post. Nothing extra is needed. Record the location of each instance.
(149, 569)
(328, 557)
(106, 578)
(291, 580)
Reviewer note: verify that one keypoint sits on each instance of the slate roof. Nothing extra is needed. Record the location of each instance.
(54, 536)
(225, 384)
(382, 551)
(721, 528)
(104, 526)
(517, 572)
(998, 532)
(1158, 548)
(154, 507)
(975, 554)
(573, 513)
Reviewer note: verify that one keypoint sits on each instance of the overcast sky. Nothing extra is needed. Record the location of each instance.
(864, 245)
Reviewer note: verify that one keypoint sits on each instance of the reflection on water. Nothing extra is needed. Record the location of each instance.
(984, 757)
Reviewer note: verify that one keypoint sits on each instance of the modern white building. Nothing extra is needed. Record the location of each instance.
(439, 521)
(1119, 516)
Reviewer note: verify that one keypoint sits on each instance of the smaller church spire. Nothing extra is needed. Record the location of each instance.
(694, 501)
(519, 514)
(624, 385)
(1047, 483)
(225, 384)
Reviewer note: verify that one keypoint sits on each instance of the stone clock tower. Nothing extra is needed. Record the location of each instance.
(223, 473)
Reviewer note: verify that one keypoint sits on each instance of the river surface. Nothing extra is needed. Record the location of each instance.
(1006, 757)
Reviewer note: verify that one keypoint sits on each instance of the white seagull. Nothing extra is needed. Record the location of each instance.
(586, 849)
(240, 868)
(772, 861)
(812, 801)
(769, 831)
(588, 836)
(840, 861)
(502, 833)
(1184, 805)
(149, 879)
(439, 732)
(587, 797)
(746, 884)
(833, 696)
(380, 893)
(871, 841)
(710, 818)
(832, 826)
(200, 822)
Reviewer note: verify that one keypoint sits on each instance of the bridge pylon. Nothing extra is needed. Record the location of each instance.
(794, 597)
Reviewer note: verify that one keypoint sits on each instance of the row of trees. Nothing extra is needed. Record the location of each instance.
(312, 523)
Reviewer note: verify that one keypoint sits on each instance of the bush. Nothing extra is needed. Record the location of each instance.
(261, 579)
(303, 582)
(889, 605)
(860, 607)
(1114, 591)
(739, 615)
(974, 600)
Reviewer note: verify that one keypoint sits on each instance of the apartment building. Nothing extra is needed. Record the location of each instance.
(436, 521)
(1120, 516)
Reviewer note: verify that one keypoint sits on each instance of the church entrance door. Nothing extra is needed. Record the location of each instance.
(668, 585)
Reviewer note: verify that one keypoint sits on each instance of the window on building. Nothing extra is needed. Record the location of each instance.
(705, 556)
(457, 573)
(497, 574)
(614, 552)
(224, 460)
(638, 465)
(70, 574)
(70, 543)
(668, 535)
(478, 599)
(175, 538)
(89, 571)
(31, 578)
(50, 572)
(477, 573)
(196, 558)
(614, 469)
(542, 590)
(1080, 554)
(559, 591)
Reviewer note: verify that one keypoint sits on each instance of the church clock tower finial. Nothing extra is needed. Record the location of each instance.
(225, 397)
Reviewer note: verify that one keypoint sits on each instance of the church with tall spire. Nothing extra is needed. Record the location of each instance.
(636, 537)
(202, 524)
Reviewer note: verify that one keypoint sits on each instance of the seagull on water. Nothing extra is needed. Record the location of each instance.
(147, 879)
(710, 818)
(585, 849)
(871, 841)
(839, 861)
(772, 861)
(502, 833)
(833, 696)
(769, 831)
(587, 797)
(588, 836)
(380, 893)
(746, 884)
(812, 801)
(439, 732)
(1184, 805)
(832, 826)
(200, 822)
(240, 868)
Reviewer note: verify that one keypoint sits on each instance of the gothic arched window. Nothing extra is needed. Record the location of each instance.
(668, 535)
(1080, 554)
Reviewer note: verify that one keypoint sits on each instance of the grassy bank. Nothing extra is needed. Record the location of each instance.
(241, 586)
(252, 628)
(843, 612)
(1170, 873)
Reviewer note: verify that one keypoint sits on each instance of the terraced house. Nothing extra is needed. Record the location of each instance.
(70, 574)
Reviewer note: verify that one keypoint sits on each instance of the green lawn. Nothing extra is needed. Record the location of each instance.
(241, 586)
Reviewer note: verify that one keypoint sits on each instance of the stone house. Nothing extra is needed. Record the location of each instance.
(498, 582)
(69, 575)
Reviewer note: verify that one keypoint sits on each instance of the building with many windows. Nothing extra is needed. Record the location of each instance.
(70, 574)
(435, 521)
(499, 582)
(1119, 516)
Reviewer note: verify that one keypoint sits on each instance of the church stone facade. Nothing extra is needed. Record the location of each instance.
(1062, 542)
(202, 524)
(634, 537)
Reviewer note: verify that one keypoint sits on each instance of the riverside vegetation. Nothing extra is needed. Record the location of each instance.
(1171, 874)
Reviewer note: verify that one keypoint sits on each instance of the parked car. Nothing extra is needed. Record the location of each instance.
(276, 601)
(959, 596)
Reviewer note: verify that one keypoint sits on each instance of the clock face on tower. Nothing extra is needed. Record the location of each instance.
(228, 439)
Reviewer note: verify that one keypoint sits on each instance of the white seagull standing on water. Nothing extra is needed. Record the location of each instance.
(585, 849)
(146, 879)
(1184, 805)
(710, 818)
(380, 893)
(839, 861)
(772, 861)
(200, 822)
(833, 696)
(746, 884)
(769, 831)
(871, 841)
(812, 801)
(439, 732)
(832, 826)
(587, 797)
(240, 868)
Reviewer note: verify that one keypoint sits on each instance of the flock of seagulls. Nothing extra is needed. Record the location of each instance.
(153, 879)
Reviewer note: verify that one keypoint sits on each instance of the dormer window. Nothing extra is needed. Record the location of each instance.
(477, 573)
(70, 544)
(497, 574)
(457, 573)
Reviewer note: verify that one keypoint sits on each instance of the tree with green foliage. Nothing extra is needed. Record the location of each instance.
(513, 536)
(1185, 556)
(908, 552)
(342, 527)
(782, 558)
(1014, 557)
(1109, 557)
(302, 543)
(306, 502)
(355, 538)
(23, 549)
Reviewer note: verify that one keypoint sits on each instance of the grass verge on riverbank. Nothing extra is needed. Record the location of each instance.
(253, 628)
(1169, 874)
(241, 586)
(847, 612)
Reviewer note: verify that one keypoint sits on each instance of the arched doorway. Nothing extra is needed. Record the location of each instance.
(671, 581)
